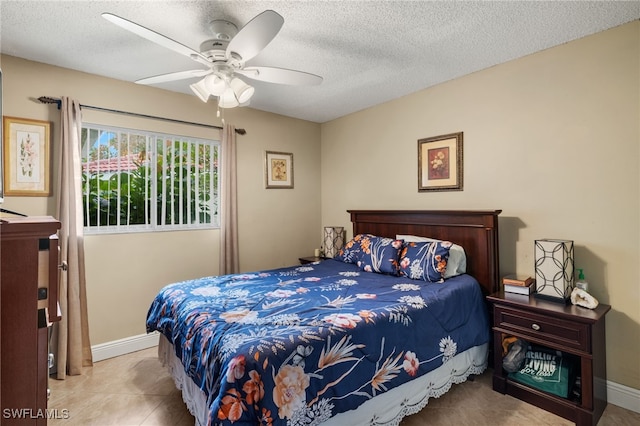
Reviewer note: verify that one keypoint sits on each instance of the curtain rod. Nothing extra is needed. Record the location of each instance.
(50, 100)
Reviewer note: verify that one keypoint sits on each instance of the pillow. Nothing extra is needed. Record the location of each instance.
(352, 251)
(380, 255)
(457, 263)
(425, 261)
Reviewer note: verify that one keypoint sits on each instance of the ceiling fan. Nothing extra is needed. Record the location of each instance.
(224, 57)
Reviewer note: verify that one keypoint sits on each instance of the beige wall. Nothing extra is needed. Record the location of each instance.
(552, 139)
(125, 271)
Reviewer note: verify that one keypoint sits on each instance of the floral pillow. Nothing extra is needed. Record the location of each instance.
(457, 262)
(352, 251)
(425, 261)
(380, 255)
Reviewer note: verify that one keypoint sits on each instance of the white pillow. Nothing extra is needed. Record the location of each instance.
(457, 263)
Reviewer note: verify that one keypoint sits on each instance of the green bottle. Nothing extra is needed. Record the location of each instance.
(582, 283)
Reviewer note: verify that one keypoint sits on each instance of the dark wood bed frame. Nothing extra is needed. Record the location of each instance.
(475, 230)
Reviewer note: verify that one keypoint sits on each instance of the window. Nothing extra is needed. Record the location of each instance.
(140, 181)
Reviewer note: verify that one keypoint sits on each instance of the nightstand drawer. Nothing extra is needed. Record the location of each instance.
(548, 329)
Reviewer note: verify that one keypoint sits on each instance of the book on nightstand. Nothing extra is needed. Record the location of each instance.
(517, 280)
(520, 284)
(526, 290)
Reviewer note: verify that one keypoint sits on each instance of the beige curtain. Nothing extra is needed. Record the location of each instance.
(72, 348)
(229, 259)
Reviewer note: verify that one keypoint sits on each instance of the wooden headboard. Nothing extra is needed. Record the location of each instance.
(475, 230)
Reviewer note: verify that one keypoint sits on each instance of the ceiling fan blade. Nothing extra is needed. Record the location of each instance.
(255, 35)
(181, 75)
(154, 37)
(281, 76)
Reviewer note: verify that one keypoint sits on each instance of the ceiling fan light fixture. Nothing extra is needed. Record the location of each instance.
(228, 99)
(200, 90)
(243, 92)
(223, 56)
(215, 85)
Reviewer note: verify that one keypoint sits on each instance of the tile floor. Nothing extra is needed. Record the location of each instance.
(135, 390)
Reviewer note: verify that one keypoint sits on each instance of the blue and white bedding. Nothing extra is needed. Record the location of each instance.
(301, 344)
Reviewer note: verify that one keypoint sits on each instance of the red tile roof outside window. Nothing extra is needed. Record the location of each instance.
(125, 163)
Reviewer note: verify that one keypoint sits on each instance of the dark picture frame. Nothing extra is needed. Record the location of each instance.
(440, 163)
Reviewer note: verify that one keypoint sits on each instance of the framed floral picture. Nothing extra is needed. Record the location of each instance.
(27, 159)
(278, 170)
(440, 163)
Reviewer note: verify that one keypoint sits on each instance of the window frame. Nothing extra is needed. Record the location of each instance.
(156, 138)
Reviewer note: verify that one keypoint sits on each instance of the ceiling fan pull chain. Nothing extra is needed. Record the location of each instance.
(218, 113)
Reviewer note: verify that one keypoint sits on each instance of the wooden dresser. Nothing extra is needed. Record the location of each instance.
(28, 303)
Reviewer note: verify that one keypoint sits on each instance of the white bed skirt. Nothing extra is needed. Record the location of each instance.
(386, 409)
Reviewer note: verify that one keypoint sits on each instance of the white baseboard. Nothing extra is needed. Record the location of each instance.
(623, 396)
(124, 346)
(617, 394)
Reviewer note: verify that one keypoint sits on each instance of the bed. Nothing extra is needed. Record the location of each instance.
(336, 342)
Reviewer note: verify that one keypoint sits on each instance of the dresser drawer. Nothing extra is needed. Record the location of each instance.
(549, 329)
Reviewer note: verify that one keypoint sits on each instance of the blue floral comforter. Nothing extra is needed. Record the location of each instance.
(299, 345)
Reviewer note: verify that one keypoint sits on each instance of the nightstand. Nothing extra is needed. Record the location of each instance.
(311, 259)
(577, 332)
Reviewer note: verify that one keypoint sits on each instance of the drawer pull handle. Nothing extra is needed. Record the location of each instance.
(535, 326)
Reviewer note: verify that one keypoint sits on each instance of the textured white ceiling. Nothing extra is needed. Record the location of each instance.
(368, 52)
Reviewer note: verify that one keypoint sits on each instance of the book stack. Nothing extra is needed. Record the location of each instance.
(520, 284)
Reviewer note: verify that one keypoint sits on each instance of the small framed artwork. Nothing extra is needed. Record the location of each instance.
(440, 163)
(278, 169)
(27, 159)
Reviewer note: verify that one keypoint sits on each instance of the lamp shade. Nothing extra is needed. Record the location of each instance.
(243, 91)
(200, 90)
(215, 85)
(228, 99)
(333, 240)
(554, 269)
